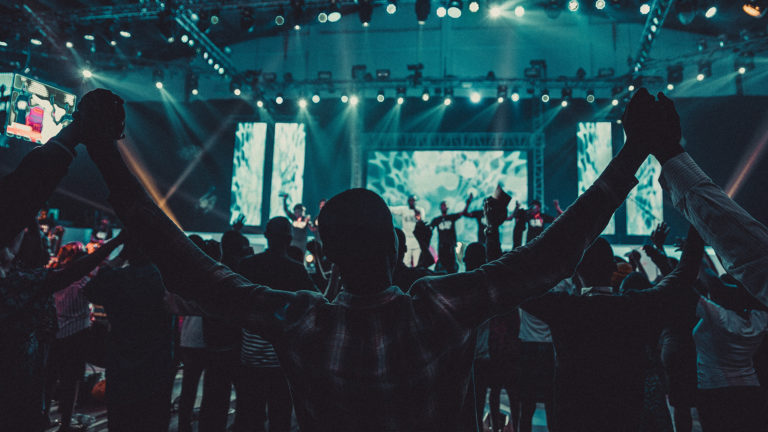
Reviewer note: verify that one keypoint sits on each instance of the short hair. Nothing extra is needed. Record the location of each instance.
(474, 256)
(356, 227)
(278, 228)
(597, 265)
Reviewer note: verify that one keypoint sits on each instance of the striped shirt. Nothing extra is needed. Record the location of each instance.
(72, 309)
(257, 352)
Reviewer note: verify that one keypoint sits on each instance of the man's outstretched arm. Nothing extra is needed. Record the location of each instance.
(186, 270)
(739, 239)
(531, 270)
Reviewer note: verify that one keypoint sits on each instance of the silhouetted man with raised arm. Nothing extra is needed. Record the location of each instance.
(374, 358)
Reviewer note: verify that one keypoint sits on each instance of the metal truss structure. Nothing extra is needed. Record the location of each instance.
(532, 142)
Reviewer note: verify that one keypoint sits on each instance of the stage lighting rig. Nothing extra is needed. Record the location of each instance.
(334, 12)
(391, 7)
(246, 19)
(744, 62)
(454, 8)
(501, 93)
(365, 12)
(705, 70)
(422, 8)
(417, 74)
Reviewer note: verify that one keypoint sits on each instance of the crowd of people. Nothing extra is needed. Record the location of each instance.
(379, 337)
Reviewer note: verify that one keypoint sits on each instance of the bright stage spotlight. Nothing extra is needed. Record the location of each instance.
(441, 11)
(705, 71)
(195, 92)
(475, 97)
(302, 103)
(391, 7)
(599, 4)
(334, 13)
(631, 87)
(184, 38)
(474, 6)
(590, 96)
(365, 12)
(344, 98)
(87, 73)
(501, 93)
(315, 98)
(322, 17)
(712, 11)
(380, 96)
(670, 86)
(573, 5)
(35, 41)
(157, 77)
(454, 8)
(125, 30)
(260, 103)
(519, 11)
(495, 11)
(158, 84)
(353, 100)
(279, 19)
(545, 95)
(515, 96)
(645, 8)
(236, 91)
(447, 101)
(297, 27)
(614, 102)
(425, 95)
(754, 9)
(69, 44)
(564, 103)
(279, 99)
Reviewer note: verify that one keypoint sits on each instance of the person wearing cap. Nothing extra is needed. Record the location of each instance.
(260, 383)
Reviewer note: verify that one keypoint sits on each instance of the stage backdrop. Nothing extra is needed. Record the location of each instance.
(448, 175)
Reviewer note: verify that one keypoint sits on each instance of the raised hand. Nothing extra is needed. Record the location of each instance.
(239, 223)
(495, 212)
(659, 235)
(669, 132)
(100, 117)
(640, 120)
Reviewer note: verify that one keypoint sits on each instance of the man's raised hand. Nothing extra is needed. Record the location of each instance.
(100, 117)
(668, 128)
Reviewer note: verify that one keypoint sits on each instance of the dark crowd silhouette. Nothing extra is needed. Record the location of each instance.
(373, 339)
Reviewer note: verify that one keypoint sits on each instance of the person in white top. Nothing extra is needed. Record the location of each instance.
(741, 242)
(406, 218)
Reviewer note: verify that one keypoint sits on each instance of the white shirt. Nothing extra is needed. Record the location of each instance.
(739, 240)
(726, 344)
(405, 218)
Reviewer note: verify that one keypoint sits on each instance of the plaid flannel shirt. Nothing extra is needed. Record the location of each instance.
(388, 361)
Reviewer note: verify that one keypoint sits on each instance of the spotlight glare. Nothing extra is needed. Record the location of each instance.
(35, 41)
(125, 33)
(334, 16)
(89, 37)
(184, 38)
(195, 92)
(475, 97)
(260, 103)
(380, 97)
(573, 5)
(221, 71)
(447, 101)
(344, 98)
(279, 100)
(159, 84)
(322, 17)
(712, 11)
(425, 95)
(500, 99)
(279, 20)
(474, 6)
(564, 103)
(670, 86)
(700, 77)
(87, 73)
(236, 92)
(615, 102)
(391, 8)
(297, 27)
(114, 42)
(753, 9)
(742, 70)
(315, 98)
(519, 11)
(515, 96)
(495, 11)
(303, 103)
(68, 44)
(205, 55)
(454, 12)
(645, 8)
(600, 4)
(545, 96)
(210, 61)
(400, 100)
(440, 11)
(353, 100)
(590, 96)
(631, 87)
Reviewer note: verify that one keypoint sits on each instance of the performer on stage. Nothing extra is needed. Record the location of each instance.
(406, 218)
(478, 216)
(300, 221)
(446, 240)
(533, 219)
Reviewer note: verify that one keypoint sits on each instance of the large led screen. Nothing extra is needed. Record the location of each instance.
(594, 150)
(248, 172)
(287, 166)
(450, 175)
(645, 203)
(36, 111)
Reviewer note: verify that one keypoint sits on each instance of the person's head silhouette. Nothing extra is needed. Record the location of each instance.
(597, 264)
(474, 256)
(279, 234)
(359, 237)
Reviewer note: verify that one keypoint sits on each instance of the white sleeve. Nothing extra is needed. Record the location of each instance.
(739, 240)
